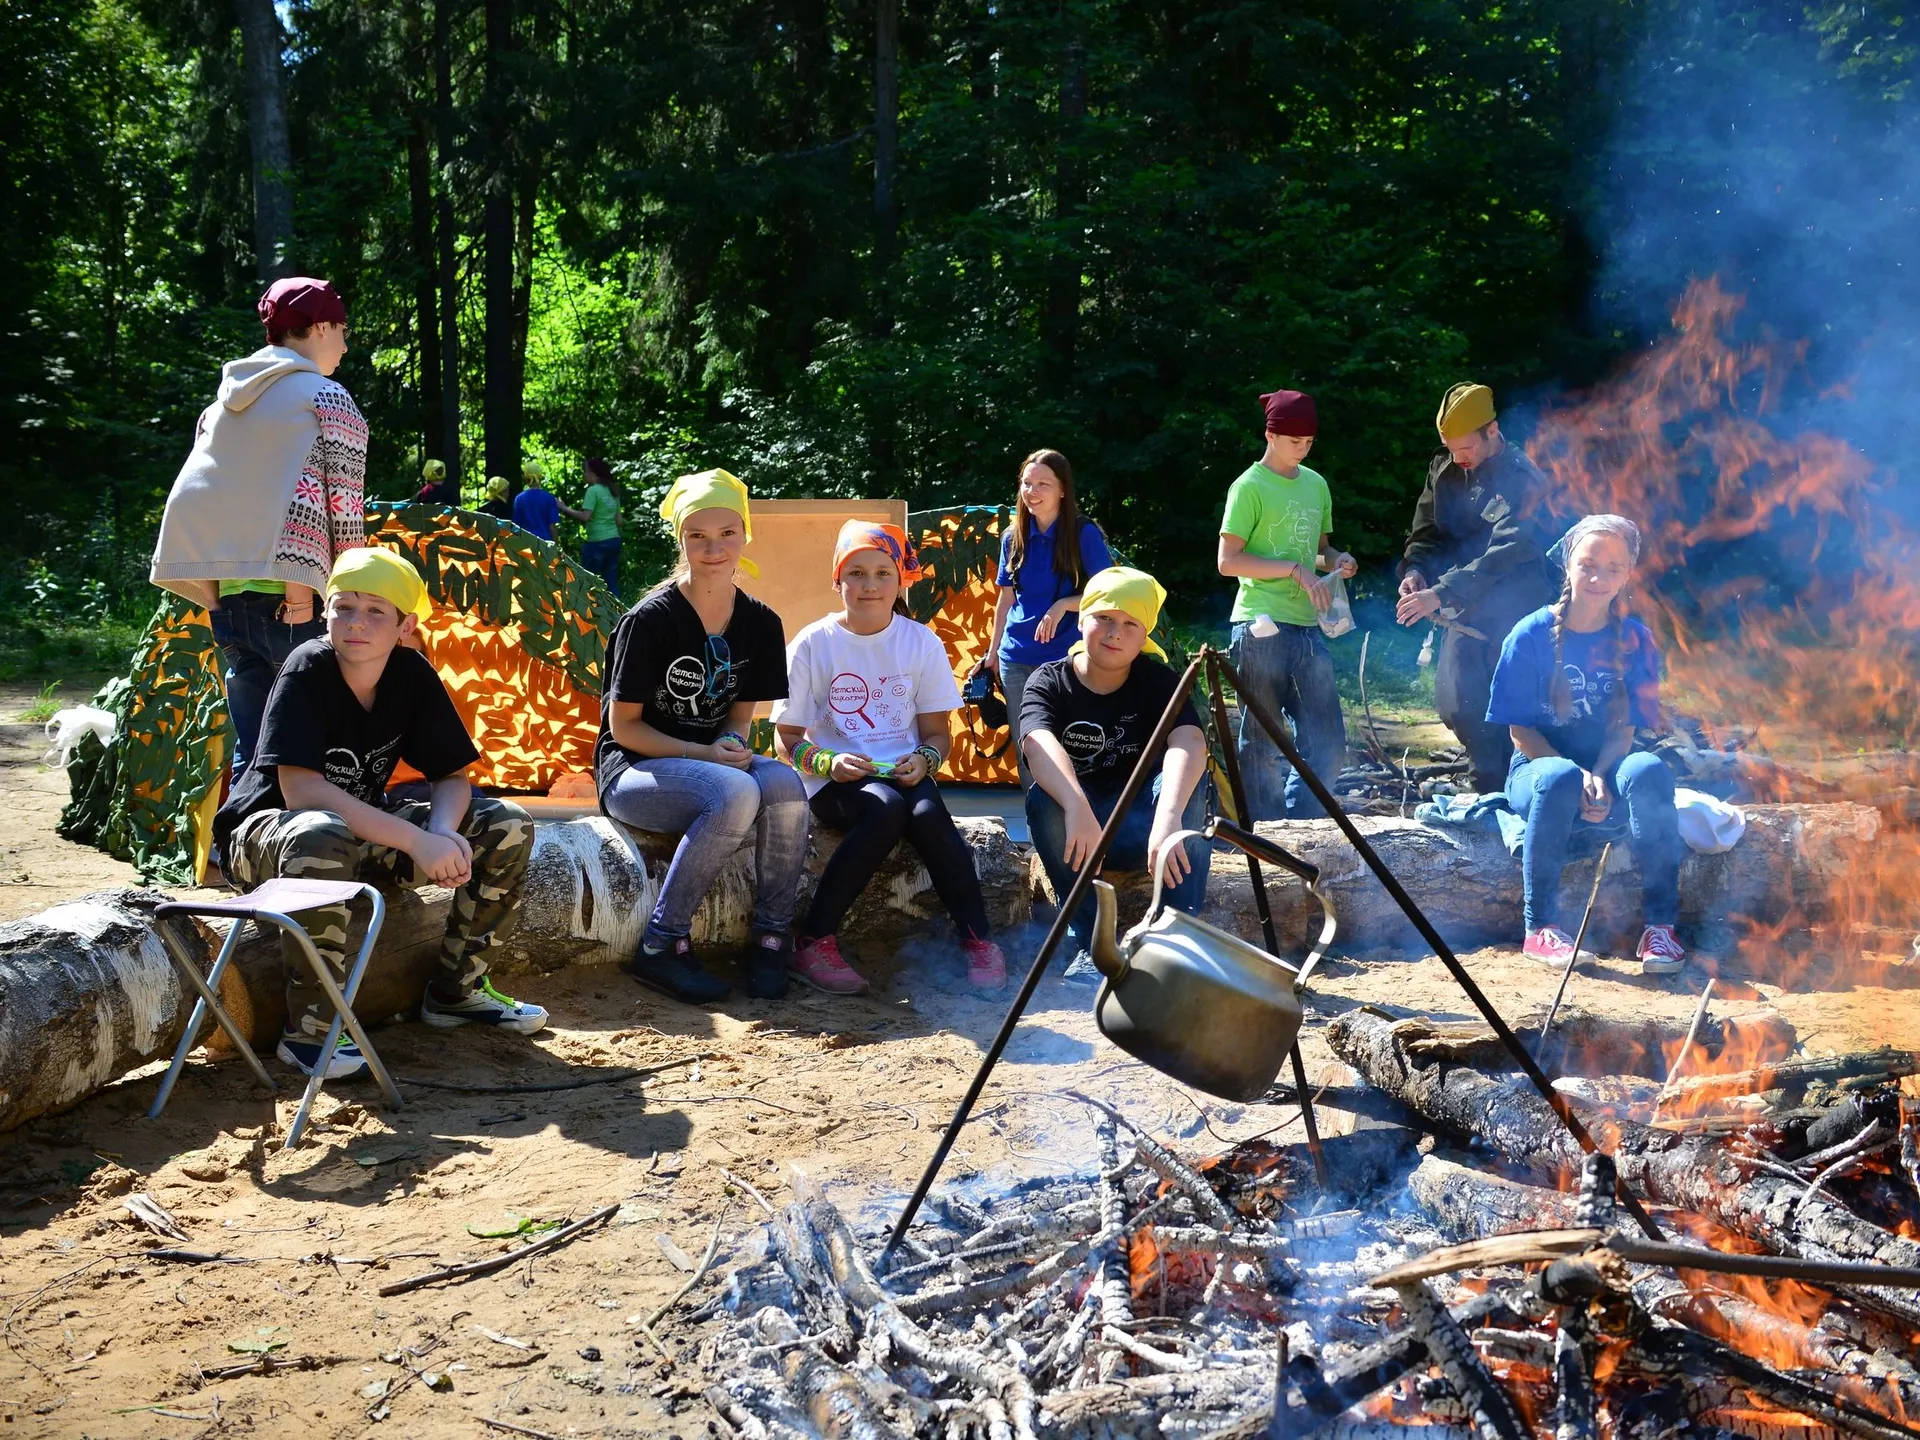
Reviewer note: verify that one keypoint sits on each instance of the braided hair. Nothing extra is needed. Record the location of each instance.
(1621, 643)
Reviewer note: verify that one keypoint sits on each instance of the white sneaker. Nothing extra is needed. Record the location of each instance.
(482, 1005)
(302, 1051)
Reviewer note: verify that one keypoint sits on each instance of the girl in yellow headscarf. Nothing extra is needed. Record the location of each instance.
(685, 668)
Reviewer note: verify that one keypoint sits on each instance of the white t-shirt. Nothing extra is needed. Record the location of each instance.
(861, 692)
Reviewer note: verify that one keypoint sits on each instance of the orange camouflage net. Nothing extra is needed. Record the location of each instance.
(960, 550)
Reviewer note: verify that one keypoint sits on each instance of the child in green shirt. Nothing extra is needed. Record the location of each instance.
(1277, 526)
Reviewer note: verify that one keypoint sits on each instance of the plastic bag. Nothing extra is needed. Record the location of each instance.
(1339, 617)
(67, 726)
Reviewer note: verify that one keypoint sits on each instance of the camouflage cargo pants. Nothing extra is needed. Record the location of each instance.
(317, 845)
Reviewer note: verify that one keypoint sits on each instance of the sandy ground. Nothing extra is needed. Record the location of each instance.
(100, 1340)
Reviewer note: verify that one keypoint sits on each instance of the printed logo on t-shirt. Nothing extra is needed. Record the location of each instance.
(363, 777)
(1590, 690)
(1292, 531)
(849, 695)
(1083, 741)
(881, 706)
(686, 677)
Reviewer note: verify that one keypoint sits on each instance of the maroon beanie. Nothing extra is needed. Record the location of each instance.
(299, 301)
(1291, 413)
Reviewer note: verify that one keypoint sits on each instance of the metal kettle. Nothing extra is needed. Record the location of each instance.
(1194, 1001)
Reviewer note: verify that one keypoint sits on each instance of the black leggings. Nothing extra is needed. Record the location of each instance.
(875, 814)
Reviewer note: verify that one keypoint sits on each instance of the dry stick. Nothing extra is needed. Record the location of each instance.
(271, 1365)
(706, 1263)
(757, 1197)
(1374, 747)
(604, 1077)
(1283, 741)
(513, 1429)
(1162, 1161)
(1686, 1050)
(1553, 1010)
(501, 1262)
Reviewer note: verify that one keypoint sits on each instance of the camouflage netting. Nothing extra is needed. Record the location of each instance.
(518, 634)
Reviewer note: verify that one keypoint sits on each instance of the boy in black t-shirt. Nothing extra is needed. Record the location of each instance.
(344, 710)
(1083, 723)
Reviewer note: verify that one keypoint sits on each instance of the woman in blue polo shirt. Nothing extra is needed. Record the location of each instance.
(1046, 555)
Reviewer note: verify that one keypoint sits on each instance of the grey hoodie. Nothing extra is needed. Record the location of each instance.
(228, 504)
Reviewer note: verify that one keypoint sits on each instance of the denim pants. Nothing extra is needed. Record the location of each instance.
(1293, 673)
(1546, 794)
(876, 815)
(1013, 685)
(602, 557)
(1048, 824)
(256, 643)
(712, 807)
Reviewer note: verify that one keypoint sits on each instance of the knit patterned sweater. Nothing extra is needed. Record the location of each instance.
(327, 514)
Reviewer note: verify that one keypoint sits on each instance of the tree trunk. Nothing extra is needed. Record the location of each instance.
(261, 43)
(526, 214)
(502, 406)
(447, 241)
(1805, 860)
(1061, 326)
(426, 310)
(86, 992)
(886, 133)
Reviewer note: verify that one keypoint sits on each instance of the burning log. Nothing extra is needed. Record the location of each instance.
(1803, 860)
(1469, 1204)
(1697, 1173)
(86, 992)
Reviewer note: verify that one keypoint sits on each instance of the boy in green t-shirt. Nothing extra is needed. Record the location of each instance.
(1279, 515)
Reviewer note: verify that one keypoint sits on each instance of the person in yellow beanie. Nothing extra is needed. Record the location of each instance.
(1083, 723)
(499, 501)
(1475, 563)
(345, 710)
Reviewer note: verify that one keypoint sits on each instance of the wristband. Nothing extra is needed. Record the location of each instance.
(933, 757)
(735, 736)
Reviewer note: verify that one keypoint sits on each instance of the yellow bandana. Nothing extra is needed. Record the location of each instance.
(708, 490)
(375, 570)
(1132, 592)
(1466, 408)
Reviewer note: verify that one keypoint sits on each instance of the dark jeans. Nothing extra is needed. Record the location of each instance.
(1546, 794)
(1293, 673)
(1462, 682)
(602, 557)
(875, 816)
(1048, 824)
(256, 644)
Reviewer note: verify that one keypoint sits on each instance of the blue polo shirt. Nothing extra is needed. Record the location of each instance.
(1039, 585)
(535, 510)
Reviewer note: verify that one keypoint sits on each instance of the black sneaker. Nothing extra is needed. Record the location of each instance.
(672, 970)
(763, 971)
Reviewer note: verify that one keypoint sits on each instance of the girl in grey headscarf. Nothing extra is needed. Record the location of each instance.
(1575, 678)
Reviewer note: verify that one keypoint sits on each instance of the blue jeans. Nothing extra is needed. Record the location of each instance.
(1293, 673)
(1013, 685)
(256, 644)
(1546, 794)
(602, 557)
(712, 807)
(1048, 824)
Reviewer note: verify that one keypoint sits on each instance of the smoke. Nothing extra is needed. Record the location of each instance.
(1779, 154)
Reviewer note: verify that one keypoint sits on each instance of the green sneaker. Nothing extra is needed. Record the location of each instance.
(482, 1005)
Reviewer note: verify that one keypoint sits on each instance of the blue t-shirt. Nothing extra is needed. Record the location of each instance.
(535, 510)
(1523, 682)
(1039, 585)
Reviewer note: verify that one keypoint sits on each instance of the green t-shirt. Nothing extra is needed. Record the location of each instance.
(252, 587)
(601, 510)
(1280, 519)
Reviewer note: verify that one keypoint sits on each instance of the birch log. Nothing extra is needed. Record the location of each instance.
(86, 992)
(1811, 862)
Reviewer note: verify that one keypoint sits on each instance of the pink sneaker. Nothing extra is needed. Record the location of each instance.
(1550, 945)
(986, 965)
(820, 964)
(1661, 952)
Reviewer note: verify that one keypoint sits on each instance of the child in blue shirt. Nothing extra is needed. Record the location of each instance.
(1574, 679)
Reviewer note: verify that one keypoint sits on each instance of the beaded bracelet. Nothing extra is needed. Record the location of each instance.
(735, 736)
(932, 756)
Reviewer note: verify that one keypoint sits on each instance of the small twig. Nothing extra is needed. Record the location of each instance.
(604, 1077)
(1843, 1164)
(706, 1263)
(501, 1262)
(757, 1197)
(513, 1429)
(274, 1365)
(199, 1257)
(1686, 1050)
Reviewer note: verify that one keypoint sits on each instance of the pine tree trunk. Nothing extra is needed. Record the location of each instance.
(502, 404)
(447, 243)
(1061, 325)
(426, 309)
(261, 43)
(886, 131)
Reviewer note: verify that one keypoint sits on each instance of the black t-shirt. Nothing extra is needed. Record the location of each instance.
(661, 658)
(314, 721)
(1102, 734)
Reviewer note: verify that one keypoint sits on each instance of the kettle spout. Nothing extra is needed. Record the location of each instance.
(1106, 950)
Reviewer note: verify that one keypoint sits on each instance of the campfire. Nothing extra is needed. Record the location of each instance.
(1497, 1290)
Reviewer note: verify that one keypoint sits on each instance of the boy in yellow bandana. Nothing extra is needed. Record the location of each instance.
(1083, 723)
(344, 711)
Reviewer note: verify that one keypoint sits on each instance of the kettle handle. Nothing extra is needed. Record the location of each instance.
(1179, 837)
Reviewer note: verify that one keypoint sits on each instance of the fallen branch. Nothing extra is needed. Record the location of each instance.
(273, 1365)
(501, 1262)
(706, 1264)
(513, 1429)
(604, 1077)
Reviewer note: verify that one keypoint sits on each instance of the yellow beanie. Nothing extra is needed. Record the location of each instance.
(375, 570)
(1132, 592)
(434, 471)
(1466, 409)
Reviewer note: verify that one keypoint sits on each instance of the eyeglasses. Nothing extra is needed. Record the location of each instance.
(719, 668)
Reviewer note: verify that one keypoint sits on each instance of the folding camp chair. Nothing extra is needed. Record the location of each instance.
(274, 903)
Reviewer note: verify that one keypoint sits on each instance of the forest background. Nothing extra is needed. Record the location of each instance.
(855, 247)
